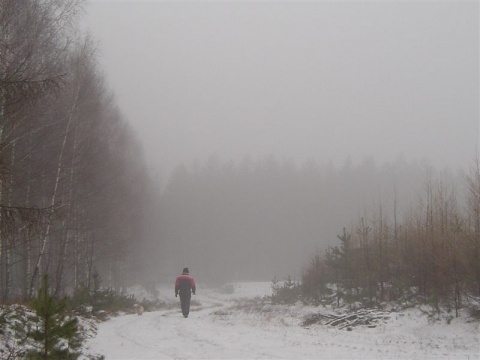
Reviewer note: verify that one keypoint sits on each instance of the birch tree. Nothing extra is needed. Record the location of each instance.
(34, 39)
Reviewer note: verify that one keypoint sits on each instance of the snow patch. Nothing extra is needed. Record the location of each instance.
(238, 322)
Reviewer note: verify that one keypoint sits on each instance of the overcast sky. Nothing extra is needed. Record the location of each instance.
(299, 79)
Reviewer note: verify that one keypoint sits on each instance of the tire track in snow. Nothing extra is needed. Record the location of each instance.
(219, 328)
(162, 332)
(128, 332)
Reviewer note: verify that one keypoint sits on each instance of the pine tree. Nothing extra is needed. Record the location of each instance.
(56, 334)
(287, 294)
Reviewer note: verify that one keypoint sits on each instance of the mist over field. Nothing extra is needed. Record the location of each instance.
(257, 220)
(271, 126)
(236, 138)
(292, 175)
(321, 80)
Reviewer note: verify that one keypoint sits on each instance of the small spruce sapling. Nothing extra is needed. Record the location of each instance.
(56, 334)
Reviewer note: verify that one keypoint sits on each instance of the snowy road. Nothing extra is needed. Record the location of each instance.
(219, 328)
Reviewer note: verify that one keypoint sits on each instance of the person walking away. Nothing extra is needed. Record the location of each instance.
(185, 286)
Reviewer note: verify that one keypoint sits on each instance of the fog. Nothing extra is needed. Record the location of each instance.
(323, 81)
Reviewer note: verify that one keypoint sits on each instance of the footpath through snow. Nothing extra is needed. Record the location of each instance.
(232, 326)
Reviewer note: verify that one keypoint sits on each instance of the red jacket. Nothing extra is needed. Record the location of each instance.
(185, 283)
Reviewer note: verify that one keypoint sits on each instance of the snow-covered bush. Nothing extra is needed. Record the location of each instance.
(54, 332)
(288, 293)
(95, 300)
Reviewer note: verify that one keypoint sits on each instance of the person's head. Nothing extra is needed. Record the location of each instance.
(185, 271)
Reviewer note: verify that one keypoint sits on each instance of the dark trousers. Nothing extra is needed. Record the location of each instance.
(185, 302)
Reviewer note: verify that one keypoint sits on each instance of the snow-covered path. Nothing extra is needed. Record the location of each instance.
(220, 328)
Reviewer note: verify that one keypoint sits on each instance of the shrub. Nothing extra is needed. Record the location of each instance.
(289, 293)
(95, 300)
(56, 334)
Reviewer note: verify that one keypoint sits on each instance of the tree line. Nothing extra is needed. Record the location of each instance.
(76, 200)
(74, 188)
(258, 218)
(430, 254)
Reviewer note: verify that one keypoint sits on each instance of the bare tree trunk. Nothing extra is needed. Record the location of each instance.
(476, 200)
(395, 221)
(474, 184)
(66, 237)
(54, 194)
(8, 269)
(90, 261)
(381, 255)
(364, 232)
(3, 102)
(28, 240)
(427, 266)
(456, 278)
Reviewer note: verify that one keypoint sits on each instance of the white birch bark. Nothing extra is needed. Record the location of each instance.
(2, 125)
(28, 242)
(8, 270)
(36, 270)
(63, 255)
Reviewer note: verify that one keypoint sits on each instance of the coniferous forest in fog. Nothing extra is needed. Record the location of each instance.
(265, 217)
